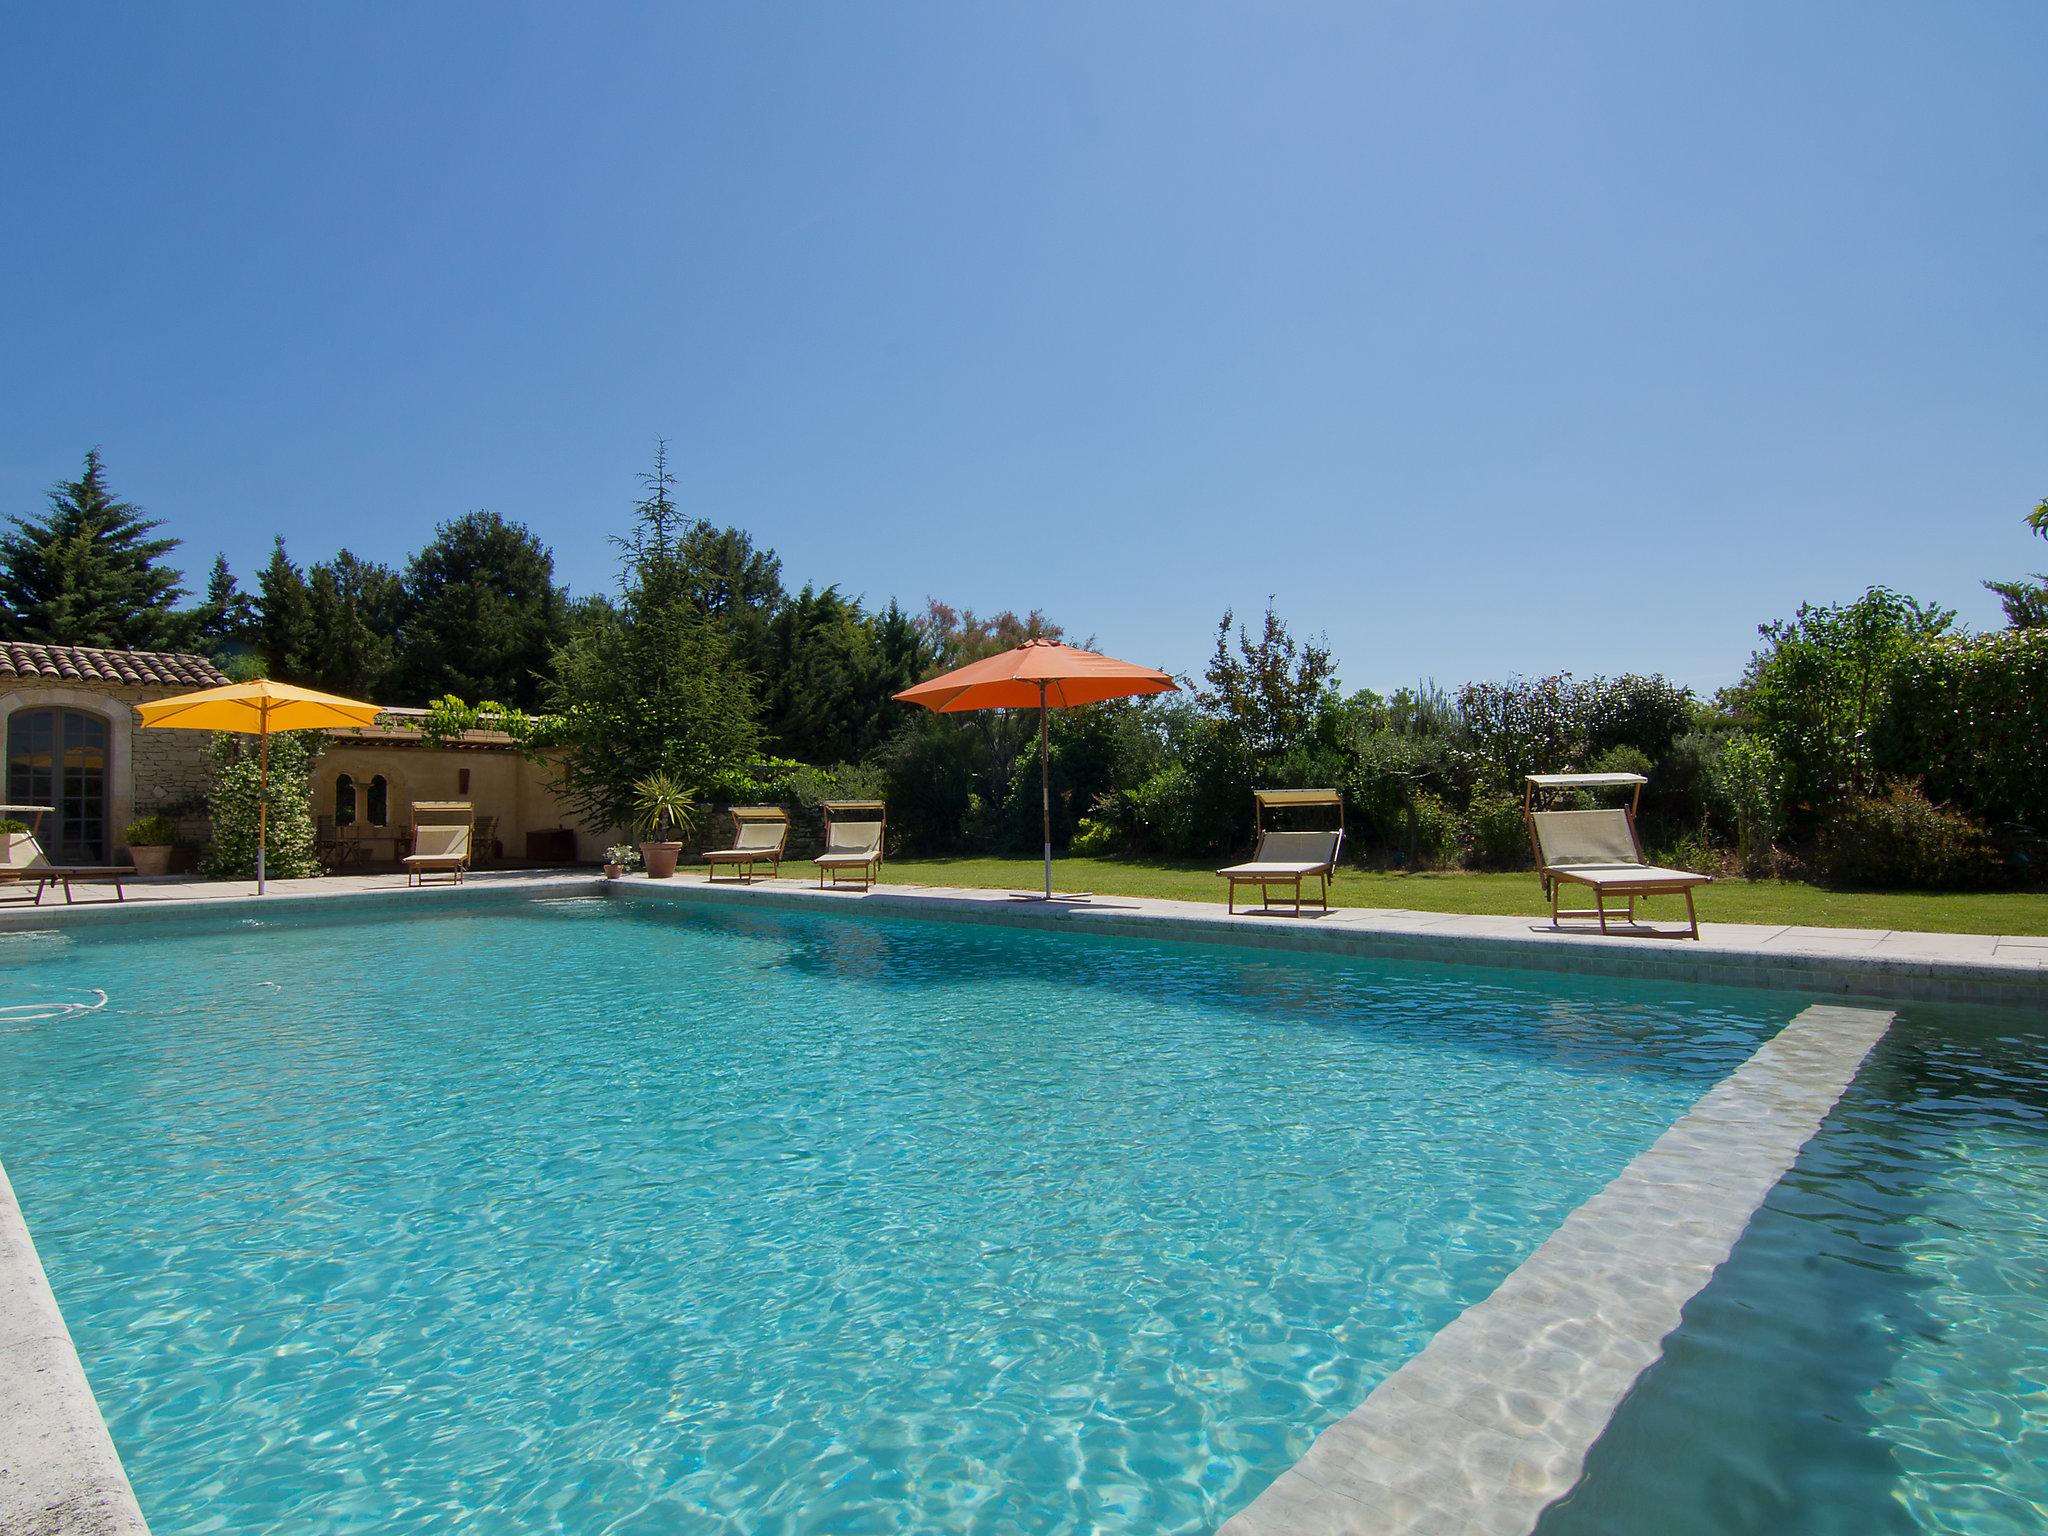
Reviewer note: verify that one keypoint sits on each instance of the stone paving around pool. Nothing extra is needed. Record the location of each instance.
(1892, 965)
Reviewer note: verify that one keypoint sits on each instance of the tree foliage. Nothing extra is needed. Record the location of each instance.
(239, 792)
(2026, 602)
(650, 687)
(1820, 686)
(89, 572)
(1268, 695)
(1968, 717)
(227, 621)
(479, 613)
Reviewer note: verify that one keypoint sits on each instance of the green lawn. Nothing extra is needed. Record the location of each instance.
(1726, 901)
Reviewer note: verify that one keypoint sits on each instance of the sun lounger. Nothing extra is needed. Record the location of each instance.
(853, 841)
(23, 864)
(1599, 850)
(441, 852)
(1287, 858)
(759, 834)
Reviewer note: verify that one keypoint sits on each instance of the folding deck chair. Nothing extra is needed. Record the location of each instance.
(23, 863)
(1599, 849)
(760, 833)
(1289, 857)
(853, 841)
(440, 847)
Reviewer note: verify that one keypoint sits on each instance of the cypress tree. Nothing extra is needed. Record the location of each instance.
(88, 572)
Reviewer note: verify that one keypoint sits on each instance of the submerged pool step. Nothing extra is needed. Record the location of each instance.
(1491, 1422)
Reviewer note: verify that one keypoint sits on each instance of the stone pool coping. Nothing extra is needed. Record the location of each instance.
(1835, 962)
(60, 1475)
(1893, 965)
(59, 1472)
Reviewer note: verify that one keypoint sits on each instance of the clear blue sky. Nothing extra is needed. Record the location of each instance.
(1436, 322)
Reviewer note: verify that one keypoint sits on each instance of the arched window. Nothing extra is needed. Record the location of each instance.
(380, 800)
(344, 801)
(58, 758)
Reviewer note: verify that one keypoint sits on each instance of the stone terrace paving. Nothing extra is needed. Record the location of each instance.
(1895, 964)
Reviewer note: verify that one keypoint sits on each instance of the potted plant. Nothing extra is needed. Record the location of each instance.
(10, 829)
(150, 844)
(619, 858)
(666, 811)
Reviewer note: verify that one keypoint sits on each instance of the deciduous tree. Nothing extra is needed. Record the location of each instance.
(481, 613)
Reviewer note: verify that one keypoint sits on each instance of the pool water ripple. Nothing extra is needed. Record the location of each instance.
(582, 1218)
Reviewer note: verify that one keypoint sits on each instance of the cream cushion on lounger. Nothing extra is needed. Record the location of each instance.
(1288, 858)
(1599, 848)
(852, 847)
(1287, 854)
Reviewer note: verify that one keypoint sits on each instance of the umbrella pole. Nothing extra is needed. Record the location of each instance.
(262, 801)
(1045, 791)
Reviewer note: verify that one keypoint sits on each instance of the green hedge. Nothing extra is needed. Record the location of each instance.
(1968, 717)
(1898, 841)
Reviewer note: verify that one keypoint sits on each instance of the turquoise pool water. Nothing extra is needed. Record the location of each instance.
(595, 1216)
(1873, 1359)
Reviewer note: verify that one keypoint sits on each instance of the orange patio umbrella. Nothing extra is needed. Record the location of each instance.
(1048, 675)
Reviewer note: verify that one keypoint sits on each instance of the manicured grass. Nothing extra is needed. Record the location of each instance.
(1725, 901)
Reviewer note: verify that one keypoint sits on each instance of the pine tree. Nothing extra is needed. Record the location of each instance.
(352, 606)
(89, 573)
(226, 619)
(284, 625)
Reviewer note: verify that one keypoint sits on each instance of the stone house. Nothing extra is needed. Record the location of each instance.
(73, 741)
(366, 782)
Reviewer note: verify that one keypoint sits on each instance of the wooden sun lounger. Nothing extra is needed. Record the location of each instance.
(759, 834)
(438, 852)
(853, 841)
(1288, 858)
(1599, 850)
(25, 864)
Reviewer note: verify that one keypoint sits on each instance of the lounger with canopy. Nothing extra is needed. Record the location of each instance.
(1287, 857)
(1598, 849)
(23, 862)
(759, 834)
(443, 833)
(853, 841)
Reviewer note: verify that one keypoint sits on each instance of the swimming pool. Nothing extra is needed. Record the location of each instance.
(1873, 1359)
(580, 1215)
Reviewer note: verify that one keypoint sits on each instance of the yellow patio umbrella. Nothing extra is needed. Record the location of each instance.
(257, 709)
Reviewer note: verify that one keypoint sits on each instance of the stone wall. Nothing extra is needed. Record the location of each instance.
(171, 768)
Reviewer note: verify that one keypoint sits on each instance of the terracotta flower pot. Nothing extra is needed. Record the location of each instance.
(151, 860)
(613, 871)
(661, 859)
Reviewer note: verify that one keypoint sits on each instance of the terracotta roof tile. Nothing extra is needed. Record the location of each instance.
(95, 664)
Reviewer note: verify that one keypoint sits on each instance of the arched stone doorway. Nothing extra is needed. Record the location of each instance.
(63, 758)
